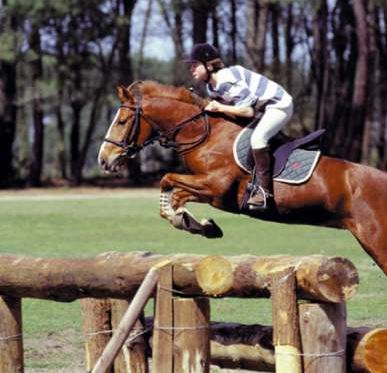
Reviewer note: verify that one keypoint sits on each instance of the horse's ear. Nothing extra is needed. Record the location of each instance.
(124, 94)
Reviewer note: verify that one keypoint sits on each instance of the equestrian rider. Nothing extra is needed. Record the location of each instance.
(237, 91)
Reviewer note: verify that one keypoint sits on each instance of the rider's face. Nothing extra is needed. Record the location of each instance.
(198, 71)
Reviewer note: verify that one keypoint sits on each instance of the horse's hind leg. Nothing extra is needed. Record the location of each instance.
(181, 218)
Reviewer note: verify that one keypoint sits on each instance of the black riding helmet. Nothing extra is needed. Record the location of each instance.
(203, 52)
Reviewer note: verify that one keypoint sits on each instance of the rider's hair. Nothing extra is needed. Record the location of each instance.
(215, 65)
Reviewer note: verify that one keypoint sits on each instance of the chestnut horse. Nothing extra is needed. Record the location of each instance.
(339, 194)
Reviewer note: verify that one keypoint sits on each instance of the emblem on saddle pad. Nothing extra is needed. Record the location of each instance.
(292, 165)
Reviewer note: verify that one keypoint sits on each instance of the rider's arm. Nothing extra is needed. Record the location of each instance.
(240, 98)
(240, 111)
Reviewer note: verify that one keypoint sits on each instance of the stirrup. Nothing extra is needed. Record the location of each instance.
(266, 195)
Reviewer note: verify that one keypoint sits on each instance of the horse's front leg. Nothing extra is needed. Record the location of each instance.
(176, 191)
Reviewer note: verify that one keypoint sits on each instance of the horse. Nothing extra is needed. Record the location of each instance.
(339, 193)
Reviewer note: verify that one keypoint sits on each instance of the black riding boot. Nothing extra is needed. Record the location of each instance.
(263, 189)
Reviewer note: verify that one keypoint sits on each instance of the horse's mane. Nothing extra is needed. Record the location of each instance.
(154, 89)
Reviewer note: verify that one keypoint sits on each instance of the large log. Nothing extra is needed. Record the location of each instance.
(330, 279)
(368, 349)
(118, 275)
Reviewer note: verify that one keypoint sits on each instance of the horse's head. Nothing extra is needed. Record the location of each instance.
(150, 111)
(128, 131)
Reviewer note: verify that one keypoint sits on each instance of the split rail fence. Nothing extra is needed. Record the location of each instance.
(308, 294)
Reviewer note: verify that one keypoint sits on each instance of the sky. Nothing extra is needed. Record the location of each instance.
(158, 41)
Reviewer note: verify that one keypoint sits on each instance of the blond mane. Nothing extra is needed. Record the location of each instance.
(154, 89)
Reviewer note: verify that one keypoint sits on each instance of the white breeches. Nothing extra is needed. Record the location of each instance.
(273, 120)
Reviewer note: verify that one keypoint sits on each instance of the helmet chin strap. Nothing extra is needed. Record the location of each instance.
(208, 73)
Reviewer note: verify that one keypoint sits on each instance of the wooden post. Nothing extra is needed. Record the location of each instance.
(128, 320)
(11, 340)
(286, 332)
(96, 328)
(132, 357)
(191, 335)
(323, 337)
(162, 357)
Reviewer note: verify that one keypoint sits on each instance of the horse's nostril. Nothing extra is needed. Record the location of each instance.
(103, 164)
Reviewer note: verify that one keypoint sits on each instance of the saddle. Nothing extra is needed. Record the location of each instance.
(294, 159)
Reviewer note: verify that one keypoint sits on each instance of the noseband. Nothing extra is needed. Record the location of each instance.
(165, 138)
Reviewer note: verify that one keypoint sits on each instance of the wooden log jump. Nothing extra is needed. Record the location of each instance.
(118, 275)
(316, 332)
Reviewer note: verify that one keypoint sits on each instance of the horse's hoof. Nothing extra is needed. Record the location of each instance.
(211, 229)
(184, 220)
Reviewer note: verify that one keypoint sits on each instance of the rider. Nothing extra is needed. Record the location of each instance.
(237, 91)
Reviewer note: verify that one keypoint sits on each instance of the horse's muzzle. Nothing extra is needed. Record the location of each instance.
(114, 166)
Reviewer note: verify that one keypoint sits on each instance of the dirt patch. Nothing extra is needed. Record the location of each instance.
(55, 352)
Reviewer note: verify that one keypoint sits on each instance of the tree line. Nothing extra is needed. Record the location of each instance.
(60, 63)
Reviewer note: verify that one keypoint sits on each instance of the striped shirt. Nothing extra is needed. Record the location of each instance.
(239, 86)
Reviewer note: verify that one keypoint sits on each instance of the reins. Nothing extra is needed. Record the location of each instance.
(168, 138)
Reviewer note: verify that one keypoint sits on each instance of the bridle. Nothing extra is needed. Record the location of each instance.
(165, 138)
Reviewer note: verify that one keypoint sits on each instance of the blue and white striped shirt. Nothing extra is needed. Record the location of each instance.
(239, 86)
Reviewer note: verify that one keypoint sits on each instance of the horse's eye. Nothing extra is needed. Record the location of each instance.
(122, 121)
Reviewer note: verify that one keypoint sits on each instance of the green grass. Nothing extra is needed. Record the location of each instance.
(66, 228)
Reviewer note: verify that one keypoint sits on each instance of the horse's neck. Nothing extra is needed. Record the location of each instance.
(170, 116)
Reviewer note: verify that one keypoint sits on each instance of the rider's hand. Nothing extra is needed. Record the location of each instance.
(213, 106)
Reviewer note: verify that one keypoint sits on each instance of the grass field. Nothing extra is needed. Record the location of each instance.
(69, 223)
